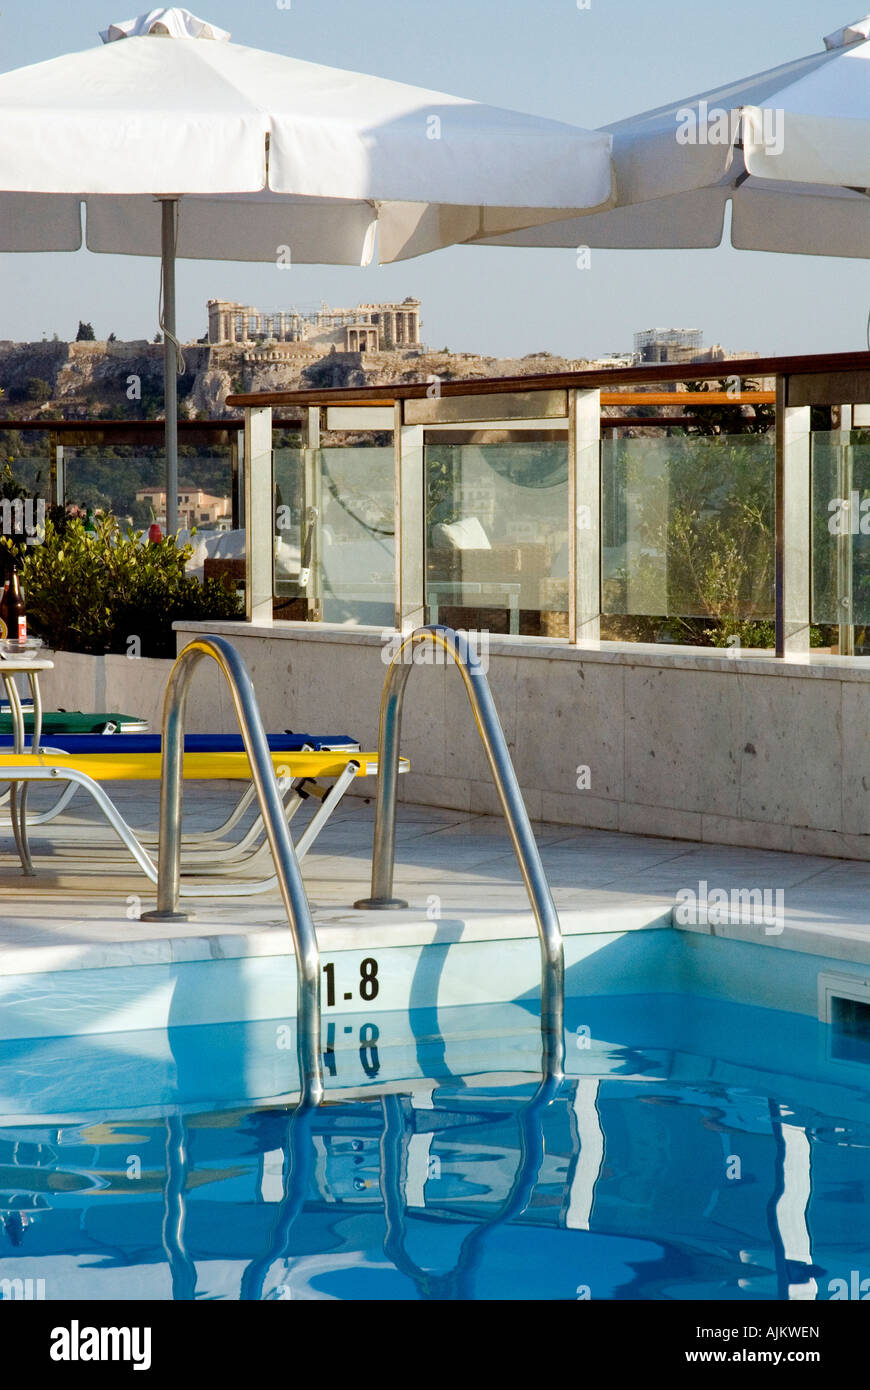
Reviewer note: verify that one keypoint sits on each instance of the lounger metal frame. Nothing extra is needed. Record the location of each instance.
(128, 837)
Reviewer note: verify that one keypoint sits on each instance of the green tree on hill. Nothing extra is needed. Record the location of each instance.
(85, 333)
(38, 389)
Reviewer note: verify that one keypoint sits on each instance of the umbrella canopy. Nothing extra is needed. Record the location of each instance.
(181, 143)
(267, 150)
(789, 149)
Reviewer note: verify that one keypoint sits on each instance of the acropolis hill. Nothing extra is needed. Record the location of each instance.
(90, 378)
(249, 349)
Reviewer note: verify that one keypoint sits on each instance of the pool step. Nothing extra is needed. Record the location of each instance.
(140, 985)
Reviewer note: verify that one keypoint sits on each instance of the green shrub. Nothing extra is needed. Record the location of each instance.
(38, 389)
(93, 592)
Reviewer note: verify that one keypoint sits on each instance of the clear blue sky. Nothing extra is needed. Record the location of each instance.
(547, 56)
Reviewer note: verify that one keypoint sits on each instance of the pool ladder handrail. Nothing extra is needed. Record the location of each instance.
(460, 650)
(271, 807)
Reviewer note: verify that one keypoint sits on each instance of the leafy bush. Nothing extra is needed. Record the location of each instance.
(38, 389)
(92, 592)
(699, 514)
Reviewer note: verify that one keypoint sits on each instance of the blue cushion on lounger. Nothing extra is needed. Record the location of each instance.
(193, 743)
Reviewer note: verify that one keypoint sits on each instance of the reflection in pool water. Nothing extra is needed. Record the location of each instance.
(670, 1167)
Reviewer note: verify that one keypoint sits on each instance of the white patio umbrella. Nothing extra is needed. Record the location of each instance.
(180, 143)
(789, 149)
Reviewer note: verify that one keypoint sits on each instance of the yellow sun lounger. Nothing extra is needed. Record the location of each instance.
(198, 767)
(295, 771)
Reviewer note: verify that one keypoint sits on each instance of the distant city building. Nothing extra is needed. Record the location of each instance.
(367, 328)
(658, 345)
(195, 507)
(613, 359)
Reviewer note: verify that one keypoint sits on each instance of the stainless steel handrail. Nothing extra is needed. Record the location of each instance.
(459, 649)
(271, 807)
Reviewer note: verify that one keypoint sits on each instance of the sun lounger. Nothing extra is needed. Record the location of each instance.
(56, 722)
(62, 722)
(76, 743)
(295, 770)
(112, 766)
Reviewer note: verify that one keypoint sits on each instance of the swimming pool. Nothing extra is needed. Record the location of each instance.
(698, 1148)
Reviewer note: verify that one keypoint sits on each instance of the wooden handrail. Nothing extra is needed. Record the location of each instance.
(687, 398)
(49, 424)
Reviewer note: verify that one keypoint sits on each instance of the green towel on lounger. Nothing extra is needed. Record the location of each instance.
(74, 722)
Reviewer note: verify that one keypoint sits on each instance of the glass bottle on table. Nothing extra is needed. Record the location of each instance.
(16, 612)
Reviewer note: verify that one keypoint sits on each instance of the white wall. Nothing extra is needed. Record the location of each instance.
(110, 684)
(678, 742)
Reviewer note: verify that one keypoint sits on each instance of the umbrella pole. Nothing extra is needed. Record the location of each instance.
(169, 208)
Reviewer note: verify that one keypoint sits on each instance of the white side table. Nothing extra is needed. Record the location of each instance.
(11, 666)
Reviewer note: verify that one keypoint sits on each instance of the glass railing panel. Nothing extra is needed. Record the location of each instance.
(25, 463)
(129, 480)
(688, 527)
(335, 534)
(291, 530)
(841, 530)
(497, 536)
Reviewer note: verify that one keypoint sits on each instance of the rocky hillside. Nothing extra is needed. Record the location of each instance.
(124, 380)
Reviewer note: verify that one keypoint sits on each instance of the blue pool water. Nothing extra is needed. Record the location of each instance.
(696, 1149)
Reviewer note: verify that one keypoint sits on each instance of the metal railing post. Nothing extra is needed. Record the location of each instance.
(845, 552)
(271, 807)
(410, 522)
(793, 516)
(458, 648)
(584, 518)
(312, 519)
(259, 516)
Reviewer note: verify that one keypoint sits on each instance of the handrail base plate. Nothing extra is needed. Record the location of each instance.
(373, 904)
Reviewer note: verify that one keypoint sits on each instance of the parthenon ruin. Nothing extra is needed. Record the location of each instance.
(367, 328)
